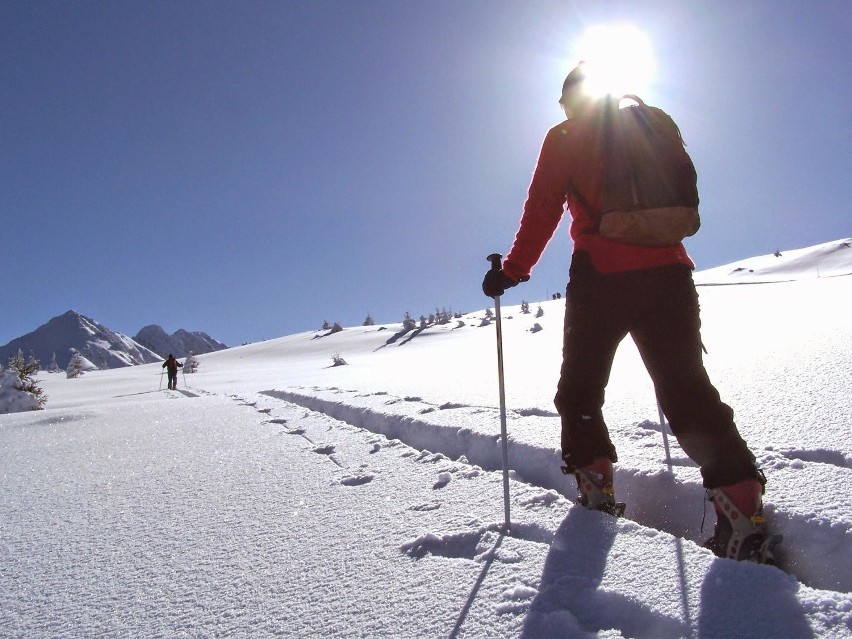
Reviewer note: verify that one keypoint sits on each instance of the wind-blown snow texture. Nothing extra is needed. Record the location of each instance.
(279, 495)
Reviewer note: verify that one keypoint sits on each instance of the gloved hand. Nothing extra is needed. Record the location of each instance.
(495, 283)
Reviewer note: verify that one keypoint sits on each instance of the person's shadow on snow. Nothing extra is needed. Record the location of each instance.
(744, 600)
(571, 603)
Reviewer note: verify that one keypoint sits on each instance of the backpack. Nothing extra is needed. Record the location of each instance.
(649, 190)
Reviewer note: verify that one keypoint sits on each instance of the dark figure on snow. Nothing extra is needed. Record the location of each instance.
(616, 289)
(172, 365)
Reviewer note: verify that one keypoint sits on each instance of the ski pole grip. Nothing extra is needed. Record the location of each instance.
(496, 261)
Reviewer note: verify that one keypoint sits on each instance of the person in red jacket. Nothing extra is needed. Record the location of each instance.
(616, 289)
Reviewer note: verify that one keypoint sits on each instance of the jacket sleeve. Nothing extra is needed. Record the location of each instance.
(543, 208)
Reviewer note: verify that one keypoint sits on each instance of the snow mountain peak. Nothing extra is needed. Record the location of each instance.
(103, 347)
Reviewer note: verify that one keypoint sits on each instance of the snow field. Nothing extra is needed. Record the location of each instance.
(276, 495)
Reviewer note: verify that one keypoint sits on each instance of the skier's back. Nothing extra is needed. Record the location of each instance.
(171, 365)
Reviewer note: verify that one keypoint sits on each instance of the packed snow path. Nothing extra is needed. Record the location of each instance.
(816, 551)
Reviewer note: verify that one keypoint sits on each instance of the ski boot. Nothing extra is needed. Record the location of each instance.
(594, 487)
(740, 533)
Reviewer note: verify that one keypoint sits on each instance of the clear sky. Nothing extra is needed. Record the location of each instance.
(251, 169)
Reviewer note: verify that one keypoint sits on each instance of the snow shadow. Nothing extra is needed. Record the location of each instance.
(819, 456)
(474, 591)
(331, 331)
(472, 544)
(410, 332)
(571, 602)
(158, 391)
(750, 601)
(453, 545)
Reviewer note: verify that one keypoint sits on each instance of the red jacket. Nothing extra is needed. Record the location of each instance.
(570, 155)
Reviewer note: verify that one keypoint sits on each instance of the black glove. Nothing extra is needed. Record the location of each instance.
(495, 283)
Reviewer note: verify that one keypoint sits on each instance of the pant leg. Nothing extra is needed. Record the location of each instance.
(667, 334)
(593, 330)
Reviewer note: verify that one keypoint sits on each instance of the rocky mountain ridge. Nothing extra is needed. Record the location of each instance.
(103, 347)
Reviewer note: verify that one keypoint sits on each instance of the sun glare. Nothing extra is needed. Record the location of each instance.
(619, 59)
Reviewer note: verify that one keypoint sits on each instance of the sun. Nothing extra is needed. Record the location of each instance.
(619, 59)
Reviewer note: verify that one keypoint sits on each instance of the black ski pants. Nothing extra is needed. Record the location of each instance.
(658, 307)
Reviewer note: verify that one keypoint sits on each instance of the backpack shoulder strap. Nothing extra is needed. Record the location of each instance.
(635, 98)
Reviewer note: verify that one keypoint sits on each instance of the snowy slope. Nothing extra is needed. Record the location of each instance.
(274, 494)
(825, 260)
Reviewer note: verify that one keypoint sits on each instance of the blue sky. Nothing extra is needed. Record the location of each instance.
(251, 169)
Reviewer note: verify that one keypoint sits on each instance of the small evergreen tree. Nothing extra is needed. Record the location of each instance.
(369, 321)
(191, 363)
(336, 328)
(53, 367)
(75, 366)
(539, 312)
(326, 326)
(26, 374)
(408, 322)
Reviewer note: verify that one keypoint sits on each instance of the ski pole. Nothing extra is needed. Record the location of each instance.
(496, 265)
(664, 428)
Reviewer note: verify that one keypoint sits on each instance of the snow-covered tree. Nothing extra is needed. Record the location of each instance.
(53, 367)
(408, 322)
(191, 363)
(19, 390)
(326, 326)
(336, 328)
(539, 312)
(75, 365)
(338, 360)
(369, 321)
(13, 398)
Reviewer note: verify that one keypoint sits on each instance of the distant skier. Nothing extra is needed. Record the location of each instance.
(618, 288)
(172, 365)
